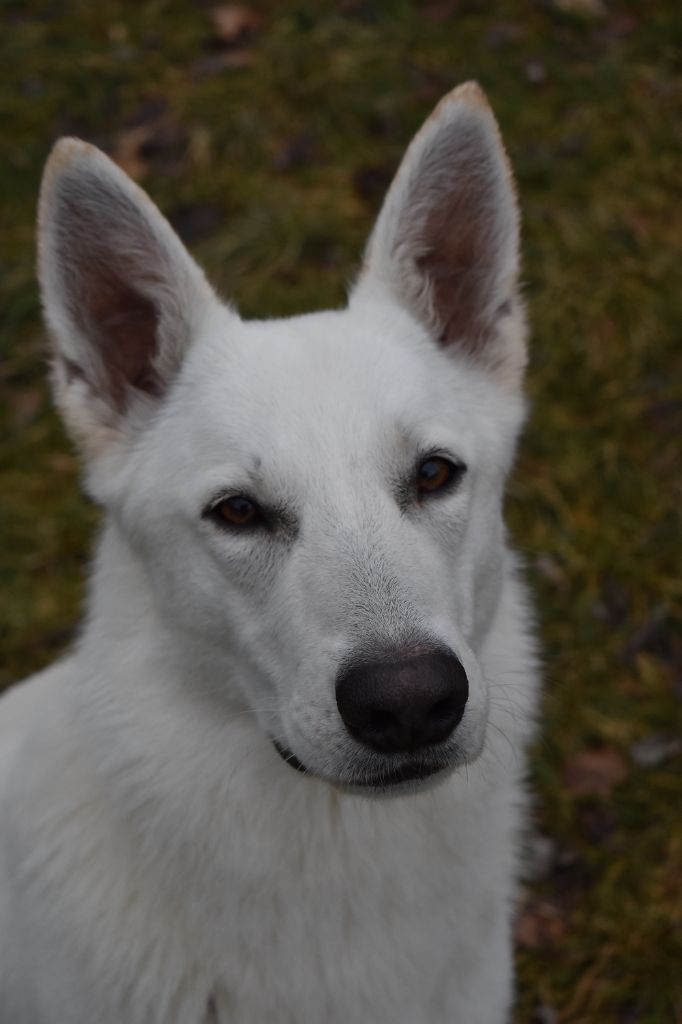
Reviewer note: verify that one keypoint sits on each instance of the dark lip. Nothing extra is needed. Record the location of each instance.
(398, 776)
(290, 758)
(411, 772)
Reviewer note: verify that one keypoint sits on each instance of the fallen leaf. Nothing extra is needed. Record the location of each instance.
(647, 637)
(540, 857)
(117, 32)
(199, 147)
(150, 109)
(295, 151)
(64, 462)
(595, 772)
(215, 63)
(235, 24)
(196, 221)
(545, 1014)
(501, 33)
(159, 140)
(439, 11)
(535, 72)
(539, 924)
(127, 149)
(583, 8)
(598, 823)
(623, 24)
(551, 570)
(25, 405)
(372, 180)
(653, 750)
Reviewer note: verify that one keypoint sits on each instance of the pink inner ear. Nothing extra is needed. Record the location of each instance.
(122, 324)
(125, 324)
(458, 257)
(111, 265)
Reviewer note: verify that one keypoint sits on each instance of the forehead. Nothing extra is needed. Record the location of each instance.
(331, 383)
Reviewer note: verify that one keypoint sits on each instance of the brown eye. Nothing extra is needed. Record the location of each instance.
(237, 511)
(435, 474)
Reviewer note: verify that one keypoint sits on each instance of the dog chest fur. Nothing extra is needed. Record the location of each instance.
(273, 896)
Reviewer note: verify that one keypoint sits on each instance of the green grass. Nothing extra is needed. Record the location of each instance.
(272, 158)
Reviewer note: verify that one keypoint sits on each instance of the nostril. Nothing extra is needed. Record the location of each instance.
(381, 721)
(443, 710)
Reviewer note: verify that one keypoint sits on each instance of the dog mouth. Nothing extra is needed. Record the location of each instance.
(290, 758)
(394, 778)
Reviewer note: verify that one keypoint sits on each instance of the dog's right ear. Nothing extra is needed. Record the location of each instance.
(122, 297)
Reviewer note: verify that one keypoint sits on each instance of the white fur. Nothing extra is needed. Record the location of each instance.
(159, 862)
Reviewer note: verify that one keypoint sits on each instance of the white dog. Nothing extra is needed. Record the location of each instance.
(303, 560)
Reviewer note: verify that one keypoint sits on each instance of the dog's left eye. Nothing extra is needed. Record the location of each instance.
(436, 474)
(237, 511)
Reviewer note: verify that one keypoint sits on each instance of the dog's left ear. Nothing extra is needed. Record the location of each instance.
(445, 245)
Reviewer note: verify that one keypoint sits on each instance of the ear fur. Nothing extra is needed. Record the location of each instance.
(445, 245)
(121, 295)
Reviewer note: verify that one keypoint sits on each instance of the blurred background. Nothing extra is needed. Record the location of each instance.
(268, 132)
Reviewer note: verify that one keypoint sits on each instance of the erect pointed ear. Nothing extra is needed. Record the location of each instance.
(122, 297)
(445, 245)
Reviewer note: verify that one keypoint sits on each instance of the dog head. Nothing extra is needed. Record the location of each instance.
(315, 502)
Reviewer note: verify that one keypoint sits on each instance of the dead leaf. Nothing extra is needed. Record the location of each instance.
(654, 749)
(582, 8)
(545, 1014)
(551, 570)
(215, 63)
(598, 823)
(649, 634)
(540, 924)
(295, 151)
(620, 25)
(64, 462)
(535, 72)
(502, 33)
(196, 221)
(25, 405)
(440, 11)
(126, 152)
(117, 32)
(235, 24)
(371, 181)
(157, 140)
(540, 858)
(595, 772)
(199, 147)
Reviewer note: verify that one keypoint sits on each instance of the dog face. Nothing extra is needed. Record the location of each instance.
(315, 502)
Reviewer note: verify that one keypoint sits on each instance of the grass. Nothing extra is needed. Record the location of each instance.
(270, 152)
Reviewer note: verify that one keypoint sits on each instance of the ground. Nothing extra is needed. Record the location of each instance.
(268, 134)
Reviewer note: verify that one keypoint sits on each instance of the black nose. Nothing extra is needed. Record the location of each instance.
(403, 704)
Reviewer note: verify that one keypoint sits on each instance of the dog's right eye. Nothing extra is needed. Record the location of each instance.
(237, 511)
(437, 474)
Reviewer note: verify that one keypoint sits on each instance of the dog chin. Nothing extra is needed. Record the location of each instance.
(410, 777)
